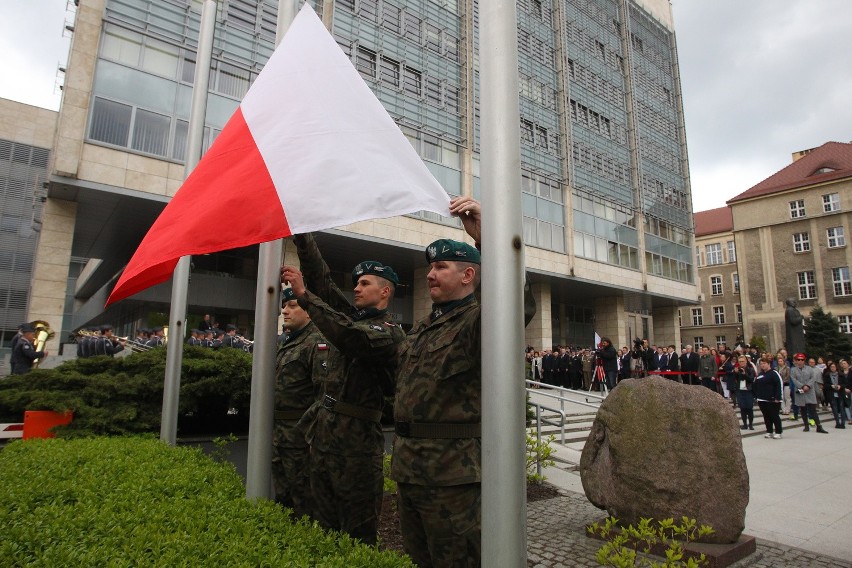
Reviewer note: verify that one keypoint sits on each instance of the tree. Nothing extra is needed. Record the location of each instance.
(823, 337)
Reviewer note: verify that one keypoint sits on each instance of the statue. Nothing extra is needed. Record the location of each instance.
(795, 342)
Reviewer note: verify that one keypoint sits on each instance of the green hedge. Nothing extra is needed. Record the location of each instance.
(131, 501)
(124, 395)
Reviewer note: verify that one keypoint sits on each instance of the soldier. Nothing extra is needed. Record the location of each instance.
(231, 339)
(300, 359)
(343, 428)
(24, 353)
(156, 339)
(108, 343)
(192, 340)
(218, 338)
(437, 451)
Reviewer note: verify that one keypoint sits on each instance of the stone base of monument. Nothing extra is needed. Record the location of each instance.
(717, 555)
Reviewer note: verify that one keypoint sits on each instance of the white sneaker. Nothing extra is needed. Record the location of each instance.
(769, 436)
(776, 436)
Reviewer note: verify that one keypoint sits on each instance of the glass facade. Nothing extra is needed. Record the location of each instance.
(23, 172)
(596, 78)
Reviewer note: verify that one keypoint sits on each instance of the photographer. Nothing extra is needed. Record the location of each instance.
(608, 359)
(643, 358)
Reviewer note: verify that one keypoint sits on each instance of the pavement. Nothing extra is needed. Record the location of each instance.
(800, 502)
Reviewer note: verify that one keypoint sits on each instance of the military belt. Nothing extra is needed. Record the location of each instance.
(289, 414)
(437, 430)
(359, 412)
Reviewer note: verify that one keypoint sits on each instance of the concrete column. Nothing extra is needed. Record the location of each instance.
(610, 319)
(539, 333)
(421, 302)
(666, 330)
(50, 269)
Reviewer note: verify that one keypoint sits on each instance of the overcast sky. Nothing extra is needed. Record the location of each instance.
(761, 79)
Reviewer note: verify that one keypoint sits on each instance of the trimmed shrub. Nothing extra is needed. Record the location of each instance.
(124, 395)
(131, 501)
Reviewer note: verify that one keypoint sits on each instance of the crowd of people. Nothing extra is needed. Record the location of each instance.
(780, 384)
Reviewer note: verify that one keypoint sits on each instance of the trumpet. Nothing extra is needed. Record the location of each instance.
(43, 335)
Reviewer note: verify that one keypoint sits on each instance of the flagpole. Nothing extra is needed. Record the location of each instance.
(503, 417)
(180, 278)
(262, 405)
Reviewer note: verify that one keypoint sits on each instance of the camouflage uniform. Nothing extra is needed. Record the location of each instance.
(437, 453)
(299, 360)
(343, 427)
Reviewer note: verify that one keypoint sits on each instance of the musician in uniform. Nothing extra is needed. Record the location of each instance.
(231, 339)
(109, 344)
(24, 353)
(156, 339)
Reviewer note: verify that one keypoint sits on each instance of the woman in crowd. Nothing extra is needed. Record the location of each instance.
(768, 390)
(535, 370)
(784, 372)
(846, 371)
(834, 385)
(744, 377)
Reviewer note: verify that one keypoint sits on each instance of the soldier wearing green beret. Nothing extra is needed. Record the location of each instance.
(300, 362)
(343, 428)
(437, 450)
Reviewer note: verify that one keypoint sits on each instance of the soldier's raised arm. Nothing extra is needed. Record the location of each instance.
(316, 273)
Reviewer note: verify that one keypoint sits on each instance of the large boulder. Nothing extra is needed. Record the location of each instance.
(661, 449)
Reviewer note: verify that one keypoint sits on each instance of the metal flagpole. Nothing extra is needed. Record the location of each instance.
(180, 278)
(262, 406)
(503, 418)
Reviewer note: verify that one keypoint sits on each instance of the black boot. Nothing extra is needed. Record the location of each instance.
(821, 430)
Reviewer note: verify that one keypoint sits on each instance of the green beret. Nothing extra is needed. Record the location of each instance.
(375, 268)
(447, 249)
(287, 294)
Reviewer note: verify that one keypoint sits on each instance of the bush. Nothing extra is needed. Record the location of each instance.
(130, 501)
(124, 395)
(664, 538)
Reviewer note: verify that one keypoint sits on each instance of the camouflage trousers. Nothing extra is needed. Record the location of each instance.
(441, 526)
(348, 493)
(292, 480)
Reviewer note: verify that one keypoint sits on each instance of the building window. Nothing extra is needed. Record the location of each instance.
(842, 284)
(716, 285)
(679, 318)
(807, 285)
(365, 62)
(412, 81)
(718, 315)
(739, 313)
(697, 316)
(110, 122)
(845, 324)
(797, 209)
(801, 242)
(697, 256)
(735, 278)
(389, 71)
(698, 342)
(713, 253)
(732, 252)
(831, 202)
(720, 340)
(836, 237)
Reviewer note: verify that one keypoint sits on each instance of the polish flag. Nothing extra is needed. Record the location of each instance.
(309, 148)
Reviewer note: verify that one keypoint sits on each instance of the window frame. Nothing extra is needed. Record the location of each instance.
(797, 209)
(718, 315)
(716, 286)
(808, 286)
(831, 202)
(713, 252)
(836, 240)
(697, 317)
(801, 242)
(841, 281)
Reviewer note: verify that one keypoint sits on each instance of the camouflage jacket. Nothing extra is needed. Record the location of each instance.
(299, 363)
(359, 363)
(439, 380)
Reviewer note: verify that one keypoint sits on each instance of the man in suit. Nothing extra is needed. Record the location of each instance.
(548, 363)
(689, 364)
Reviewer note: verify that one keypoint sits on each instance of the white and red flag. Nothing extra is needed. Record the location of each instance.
(310, 147)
